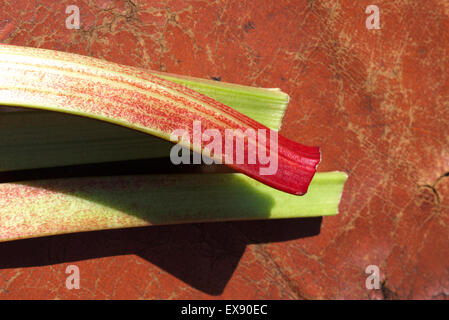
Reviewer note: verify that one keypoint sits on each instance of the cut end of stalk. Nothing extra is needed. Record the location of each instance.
(341, 178)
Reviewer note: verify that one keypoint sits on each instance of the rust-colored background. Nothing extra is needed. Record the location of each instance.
(376, 101)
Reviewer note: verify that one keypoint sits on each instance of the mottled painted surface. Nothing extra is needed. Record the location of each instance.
(376, 101)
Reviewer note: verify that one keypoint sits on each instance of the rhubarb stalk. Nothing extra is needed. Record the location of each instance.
(140, 100)
(50, 207)
(32, 139)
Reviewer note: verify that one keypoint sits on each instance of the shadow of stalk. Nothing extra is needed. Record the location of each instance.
(202, 255)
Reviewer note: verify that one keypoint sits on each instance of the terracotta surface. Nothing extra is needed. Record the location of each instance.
(376, 101)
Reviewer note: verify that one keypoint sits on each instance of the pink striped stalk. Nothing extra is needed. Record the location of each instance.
(138, 99)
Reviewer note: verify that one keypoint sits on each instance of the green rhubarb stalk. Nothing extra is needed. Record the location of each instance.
(50, 207)
(265, 105)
